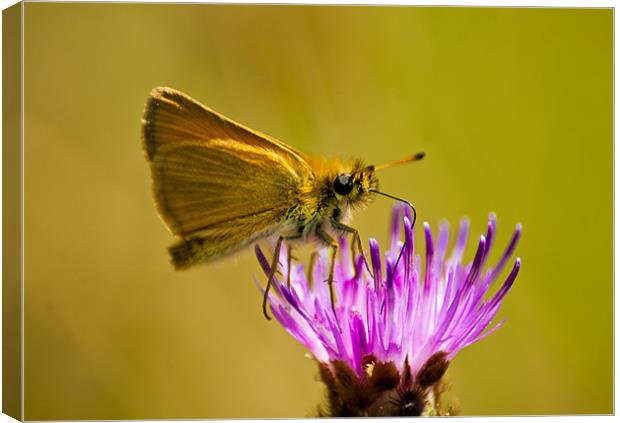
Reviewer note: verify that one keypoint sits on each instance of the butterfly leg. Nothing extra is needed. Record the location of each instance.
(356, 242)
(328, 239)
(310, 270)
(290, 256)
(272, 272)
(289, 259)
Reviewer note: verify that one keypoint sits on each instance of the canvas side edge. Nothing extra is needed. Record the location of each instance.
(12, 211)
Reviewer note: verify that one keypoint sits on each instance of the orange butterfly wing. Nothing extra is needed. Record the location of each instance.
(216, 179)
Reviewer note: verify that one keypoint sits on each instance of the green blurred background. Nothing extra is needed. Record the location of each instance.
(512, 106)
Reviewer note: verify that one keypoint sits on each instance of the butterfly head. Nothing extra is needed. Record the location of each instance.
(356, 186)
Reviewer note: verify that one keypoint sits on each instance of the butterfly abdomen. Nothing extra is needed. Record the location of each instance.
(187, 253)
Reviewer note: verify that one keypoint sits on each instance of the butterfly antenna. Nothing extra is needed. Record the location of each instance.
(413, 158)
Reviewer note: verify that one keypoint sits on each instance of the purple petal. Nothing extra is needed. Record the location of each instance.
(491, 229)
(508, 283)
(476, 266)
(395, 227)
(461, 240)
(407, 212)
(442, 240)
(375, 258)
(512, 245)
(430, 249)
(409, 242)
(262, 260)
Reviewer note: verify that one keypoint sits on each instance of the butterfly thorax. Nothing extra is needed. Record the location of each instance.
(329, 193)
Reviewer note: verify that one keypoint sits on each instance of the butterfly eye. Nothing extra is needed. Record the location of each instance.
(343, 184)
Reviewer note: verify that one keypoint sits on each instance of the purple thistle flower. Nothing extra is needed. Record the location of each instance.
(395, 332)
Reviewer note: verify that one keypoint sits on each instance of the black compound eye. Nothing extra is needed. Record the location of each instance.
(343, 184)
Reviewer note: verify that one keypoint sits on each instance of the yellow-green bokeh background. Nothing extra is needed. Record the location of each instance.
(512, 106)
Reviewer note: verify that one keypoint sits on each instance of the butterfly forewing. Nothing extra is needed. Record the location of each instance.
(171, 116)
(213, 178)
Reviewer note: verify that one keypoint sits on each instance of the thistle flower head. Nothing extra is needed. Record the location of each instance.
(394, 332)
